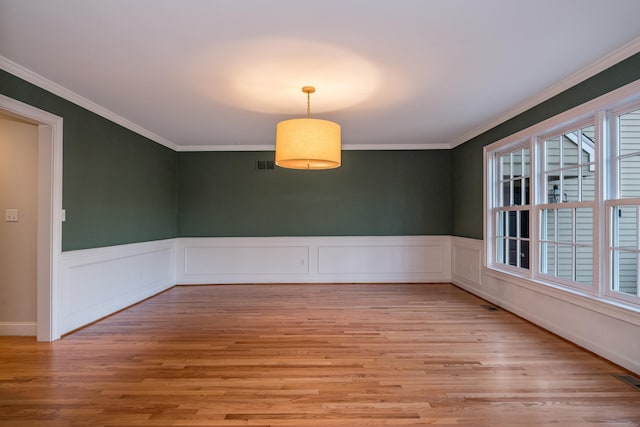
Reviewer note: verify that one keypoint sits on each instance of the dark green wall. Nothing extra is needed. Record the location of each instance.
(118, 187)
(372, 193)
(467, 174)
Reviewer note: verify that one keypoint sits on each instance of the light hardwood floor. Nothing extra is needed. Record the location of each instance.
(311, 355)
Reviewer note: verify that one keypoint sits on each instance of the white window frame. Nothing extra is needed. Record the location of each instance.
(542, 203)
(510, 148)
(613, 199)
(600, 113)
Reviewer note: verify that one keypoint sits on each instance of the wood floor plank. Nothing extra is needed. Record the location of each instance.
(310, 355)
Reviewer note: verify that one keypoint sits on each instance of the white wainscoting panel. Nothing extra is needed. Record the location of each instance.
(98, 282)
(610, 331)
(313, 259)
(228, 260)
(466, 260)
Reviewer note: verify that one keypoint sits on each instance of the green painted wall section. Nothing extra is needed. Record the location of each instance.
(118, 187)
(373, 193)
(467, 168)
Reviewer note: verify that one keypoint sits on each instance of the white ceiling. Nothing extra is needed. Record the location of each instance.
(219, 74)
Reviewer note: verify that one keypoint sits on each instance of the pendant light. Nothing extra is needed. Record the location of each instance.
(308, 143)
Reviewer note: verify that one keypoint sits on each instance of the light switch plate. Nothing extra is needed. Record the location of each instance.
(11, 215)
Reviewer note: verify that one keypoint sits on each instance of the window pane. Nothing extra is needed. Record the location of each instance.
(588, 144)
(548, 226)
(625, 272)
(584, 225)
(506, 193)
(625, 223)
(630, 177)
(565, 262)
(513, 252)
(524, 224)
(517, 192)
(584, 265)
(548, 258)
(570, 185)
(565, 225)
(501, 224)
(500, 251)
(570, 149)
(552, 153)
(505, 167)
(524, 254)
(516, 163)
(526, 162)
(553, 189)
(526, 183)
(512, 226)
(629, 132)
(588, 183)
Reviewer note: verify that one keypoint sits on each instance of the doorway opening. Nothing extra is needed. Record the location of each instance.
(49, 222)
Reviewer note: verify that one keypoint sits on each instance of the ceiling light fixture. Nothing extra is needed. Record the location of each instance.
(308, 143)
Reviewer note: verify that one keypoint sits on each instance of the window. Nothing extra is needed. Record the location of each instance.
(624, 206)
(563, 200)
(566, 214)
(512, 212)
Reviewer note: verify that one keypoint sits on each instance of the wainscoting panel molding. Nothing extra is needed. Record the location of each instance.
(313, 259)
(98, 282)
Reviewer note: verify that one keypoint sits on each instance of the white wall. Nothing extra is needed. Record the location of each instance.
(18, 240)
(610, 331)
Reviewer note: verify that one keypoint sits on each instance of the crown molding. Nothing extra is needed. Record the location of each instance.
(392, 147)
(226, 148)
(600, 65)
(46, 84)
(346, 147)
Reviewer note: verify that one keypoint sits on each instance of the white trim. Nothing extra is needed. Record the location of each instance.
(46, 84)
(49, 213)
(188, 148)
(602, 64)
(398, 147)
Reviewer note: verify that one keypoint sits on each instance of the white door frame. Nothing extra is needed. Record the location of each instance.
(49, 250)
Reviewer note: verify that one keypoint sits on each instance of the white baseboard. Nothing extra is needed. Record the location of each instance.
(98, 282)
(596, 326)
(27, 329)
(341, 259)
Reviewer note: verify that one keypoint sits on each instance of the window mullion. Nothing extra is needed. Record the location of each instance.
(601, 236)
